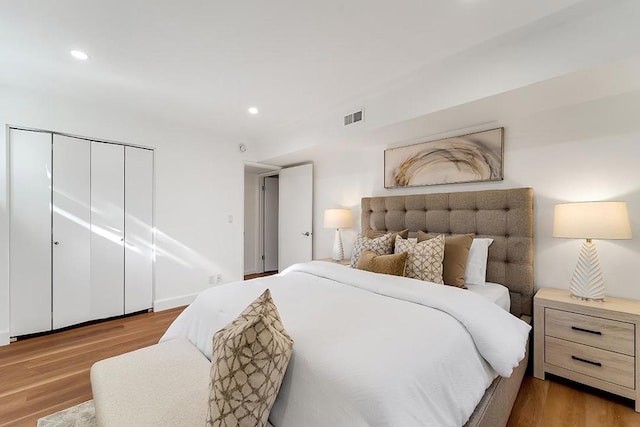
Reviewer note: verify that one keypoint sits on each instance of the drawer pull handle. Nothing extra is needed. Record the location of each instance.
(575, 328)
(580, 359)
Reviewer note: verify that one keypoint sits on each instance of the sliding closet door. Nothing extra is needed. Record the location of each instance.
(107, 230)
(138, 229)
(30, 233)
(71, 231)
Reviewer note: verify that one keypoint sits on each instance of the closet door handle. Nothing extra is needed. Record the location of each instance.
(56, 243)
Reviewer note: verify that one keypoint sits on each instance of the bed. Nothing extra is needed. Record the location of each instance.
(372, 350)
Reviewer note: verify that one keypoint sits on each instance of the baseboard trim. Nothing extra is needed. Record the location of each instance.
(167, 303)
(4, 337)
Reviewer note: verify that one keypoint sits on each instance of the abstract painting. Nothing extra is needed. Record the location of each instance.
(466, 158)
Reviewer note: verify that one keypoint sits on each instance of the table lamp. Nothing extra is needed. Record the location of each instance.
(338, 218)
(590, 220)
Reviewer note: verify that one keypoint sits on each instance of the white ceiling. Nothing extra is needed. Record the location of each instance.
(203, 63)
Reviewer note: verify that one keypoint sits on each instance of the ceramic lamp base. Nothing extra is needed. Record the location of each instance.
(587, 282)
(338, 250)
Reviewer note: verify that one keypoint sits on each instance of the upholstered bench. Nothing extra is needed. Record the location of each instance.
(166, 384)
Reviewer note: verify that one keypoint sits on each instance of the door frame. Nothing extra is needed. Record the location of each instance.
(261, 212)
(261, 170)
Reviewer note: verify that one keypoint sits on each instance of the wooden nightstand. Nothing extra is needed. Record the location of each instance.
(346, 261)
(593, 343)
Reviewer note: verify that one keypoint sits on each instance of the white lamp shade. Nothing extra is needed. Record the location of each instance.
(338, 218)
(592, 220)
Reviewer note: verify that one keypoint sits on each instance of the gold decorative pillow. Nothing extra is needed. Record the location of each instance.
(249, 360)
(456, 253)
(380, 245)
(384, 264)
(424, 261)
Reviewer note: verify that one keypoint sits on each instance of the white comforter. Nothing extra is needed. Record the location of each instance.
(370, 349)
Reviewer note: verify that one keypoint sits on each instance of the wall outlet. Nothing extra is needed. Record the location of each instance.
(218, 278)
(212, 280)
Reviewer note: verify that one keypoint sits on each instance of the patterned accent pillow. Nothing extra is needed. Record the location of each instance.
(425, 258)
(372, 234)
(382, 245)
(456, 253)
(250, 358)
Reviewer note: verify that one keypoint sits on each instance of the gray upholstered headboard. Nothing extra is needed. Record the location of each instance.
(506, 216)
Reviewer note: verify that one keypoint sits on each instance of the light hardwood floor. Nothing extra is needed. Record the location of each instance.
(42, 375)
(256, 275)
(557, 402)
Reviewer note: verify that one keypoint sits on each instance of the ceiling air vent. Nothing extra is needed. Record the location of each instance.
(352, 118)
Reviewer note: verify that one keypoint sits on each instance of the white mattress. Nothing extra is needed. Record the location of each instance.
(496, 292)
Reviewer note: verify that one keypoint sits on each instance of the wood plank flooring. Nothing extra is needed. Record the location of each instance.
(256, 275)
(557, 402)
(42, 375)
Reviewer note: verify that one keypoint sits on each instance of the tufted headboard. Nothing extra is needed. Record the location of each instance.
(506, 216)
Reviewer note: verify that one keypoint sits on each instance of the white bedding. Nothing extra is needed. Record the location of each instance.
(495, 292)
(368, 350)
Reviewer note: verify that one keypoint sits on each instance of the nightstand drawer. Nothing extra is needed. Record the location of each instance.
(606, 334)
(602, 364)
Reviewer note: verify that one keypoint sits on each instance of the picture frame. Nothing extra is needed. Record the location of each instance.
(472, 157)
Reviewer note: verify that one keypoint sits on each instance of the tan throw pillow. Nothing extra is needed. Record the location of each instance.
(384, 264)
(456, 253)
(249, 360)
(380, 245)
(424, 261)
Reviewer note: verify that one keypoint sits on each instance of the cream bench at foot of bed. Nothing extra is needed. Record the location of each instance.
(166, 384)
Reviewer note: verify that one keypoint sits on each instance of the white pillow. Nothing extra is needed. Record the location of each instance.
(476, 273)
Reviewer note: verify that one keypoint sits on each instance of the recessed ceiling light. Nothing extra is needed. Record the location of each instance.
(78, 54)
(253, 110)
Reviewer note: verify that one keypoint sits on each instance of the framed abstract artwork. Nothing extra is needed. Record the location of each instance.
(472, 157)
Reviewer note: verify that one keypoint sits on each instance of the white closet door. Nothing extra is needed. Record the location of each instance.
(30, 233)
(138, 229)
(71, 231)
(107, 230)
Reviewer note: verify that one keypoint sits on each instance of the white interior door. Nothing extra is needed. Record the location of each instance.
(295, 216)
(107, 230)
(270, 227)
(30, 233)
(138, 229)
(71, 231)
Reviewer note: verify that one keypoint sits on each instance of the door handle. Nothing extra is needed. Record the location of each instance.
(56, 243)
(306, 233)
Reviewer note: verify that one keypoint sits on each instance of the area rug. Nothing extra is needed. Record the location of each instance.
(82, 415)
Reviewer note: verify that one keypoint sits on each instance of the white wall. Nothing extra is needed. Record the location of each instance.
(593, 33)
(251, 225)
(199, 182)
(588, 151)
